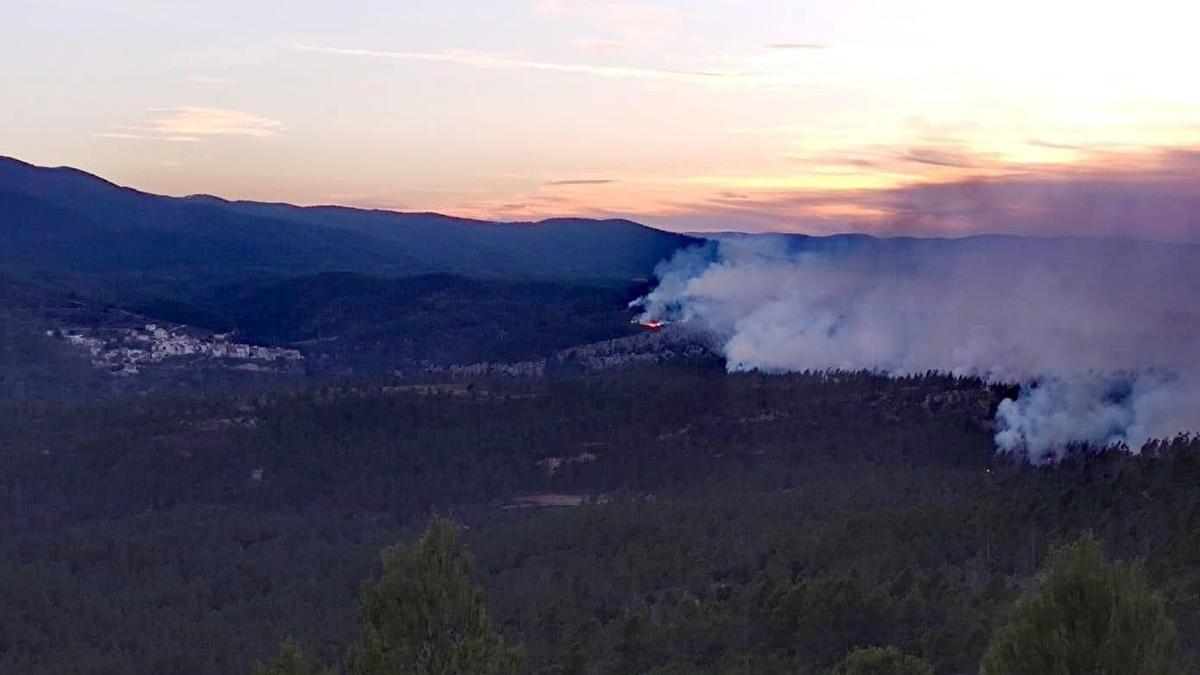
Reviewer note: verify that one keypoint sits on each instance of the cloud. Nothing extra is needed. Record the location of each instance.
(130, 136)
(581, 181)
(943, 157)
(214, 122)
(191, 123)
(1151, 194)
(1054, 145)
(795, 45)
(490, 61)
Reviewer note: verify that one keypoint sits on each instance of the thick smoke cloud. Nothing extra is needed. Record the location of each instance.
(1102, 333)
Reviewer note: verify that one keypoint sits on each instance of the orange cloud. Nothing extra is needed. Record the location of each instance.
(191, 123)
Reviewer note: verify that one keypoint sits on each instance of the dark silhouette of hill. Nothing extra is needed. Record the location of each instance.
(62, 218)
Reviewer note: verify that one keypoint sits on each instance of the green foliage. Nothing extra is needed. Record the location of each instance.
(344, 321)
(1087, 618)
(289, 661)
(426, 615)
(881, 661)
(575, 661)
(738, 524)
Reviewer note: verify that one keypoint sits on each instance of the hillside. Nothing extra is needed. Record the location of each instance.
(697, 522)
(66, 220)
(353, 289)
(214, 414)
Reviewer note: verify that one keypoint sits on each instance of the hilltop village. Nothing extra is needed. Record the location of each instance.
(125, 352)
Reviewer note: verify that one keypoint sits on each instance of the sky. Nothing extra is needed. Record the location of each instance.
(922, 117)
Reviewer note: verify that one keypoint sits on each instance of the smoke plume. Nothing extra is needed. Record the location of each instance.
(1101, 333)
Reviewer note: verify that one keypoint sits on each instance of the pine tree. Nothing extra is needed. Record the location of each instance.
(426, 617)
(1087, 618)
(575, 661)
(881, 661)
(290, 661)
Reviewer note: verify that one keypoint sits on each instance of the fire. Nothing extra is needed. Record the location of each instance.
(653, 325)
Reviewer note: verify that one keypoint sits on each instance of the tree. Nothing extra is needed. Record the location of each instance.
(426, 617)
(1087, 618)
(575, 661)
(290, 661)
(881, 661)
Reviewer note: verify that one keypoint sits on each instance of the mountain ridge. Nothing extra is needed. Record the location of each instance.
(248, 236)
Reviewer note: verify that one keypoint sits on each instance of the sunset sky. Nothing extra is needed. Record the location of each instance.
(927, 117)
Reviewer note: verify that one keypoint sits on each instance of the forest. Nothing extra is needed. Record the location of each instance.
(666, 519)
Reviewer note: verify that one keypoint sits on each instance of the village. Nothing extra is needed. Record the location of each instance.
(124, 352)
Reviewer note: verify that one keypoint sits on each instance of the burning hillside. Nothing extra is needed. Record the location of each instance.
(1103, 333)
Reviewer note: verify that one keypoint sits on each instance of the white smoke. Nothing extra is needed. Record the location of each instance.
(1104, 334)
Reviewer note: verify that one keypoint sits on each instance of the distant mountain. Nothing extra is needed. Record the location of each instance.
(65, 219)
(355, 290)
